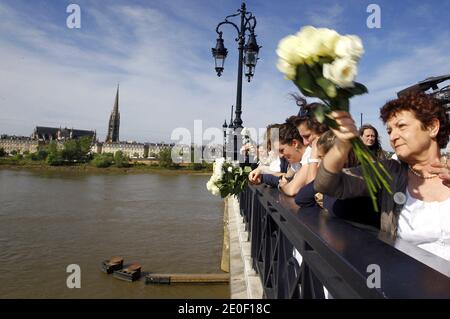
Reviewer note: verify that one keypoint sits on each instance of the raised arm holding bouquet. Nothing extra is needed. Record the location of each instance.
(323, 64)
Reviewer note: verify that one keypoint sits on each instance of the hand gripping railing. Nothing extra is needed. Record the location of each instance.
(335, 254)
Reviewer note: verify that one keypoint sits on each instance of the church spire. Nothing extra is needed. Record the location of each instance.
(114, 121)
(116, 103)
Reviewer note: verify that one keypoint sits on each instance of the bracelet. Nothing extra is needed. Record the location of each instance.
(313, 160)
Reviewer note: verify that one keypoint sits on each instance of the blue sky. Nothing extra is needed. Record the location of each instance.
(160, 52)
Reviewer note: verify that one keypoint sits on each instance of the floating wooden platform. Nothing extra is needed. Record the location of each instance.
(131, 273)
(109, 266)
(186, 278)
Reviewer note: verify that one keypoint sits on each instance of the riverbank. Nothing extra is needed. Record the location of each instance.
(87, 168)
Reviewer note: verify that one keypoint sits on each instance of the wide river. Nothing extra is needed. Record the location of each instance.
(167, 222)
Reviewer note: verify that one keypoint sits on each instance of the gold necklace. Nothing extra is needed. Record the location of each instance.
(420, 175)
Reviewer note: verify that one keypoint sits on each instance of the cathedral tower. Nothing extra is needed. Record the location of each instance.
(114, 122)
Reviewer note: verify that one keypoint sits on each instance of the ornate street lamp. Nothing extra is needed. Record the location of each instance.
(251, 56)
(219, 54)
(251, 50)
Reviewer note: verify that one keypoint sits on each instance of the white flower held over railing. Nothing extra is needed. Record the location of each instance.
(323, 64)
(227, 178)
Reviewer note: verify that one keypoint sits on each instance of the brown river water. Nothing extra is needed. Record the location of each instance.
(169, 223)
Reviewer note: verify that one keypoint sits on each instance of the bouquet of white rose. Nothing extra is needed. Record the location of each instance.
(228, 178)
(323, 64)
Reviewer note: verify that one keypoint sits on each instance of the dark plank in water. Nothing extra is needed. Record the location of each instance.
(186, 278)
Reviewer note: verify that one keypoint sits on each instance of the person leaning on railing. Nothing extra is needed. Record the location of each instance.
(310, 130)
(418, 210)
(291, 150)
(270, 166)
(348, 209)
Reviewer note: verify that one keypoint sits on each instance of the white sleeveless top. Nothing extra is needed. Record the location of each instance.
(270, 164)
(306, 155)
(426, 225)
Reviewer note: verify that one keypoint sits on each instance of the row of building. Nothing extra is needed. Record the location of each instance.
(42, 136)
(22, 144)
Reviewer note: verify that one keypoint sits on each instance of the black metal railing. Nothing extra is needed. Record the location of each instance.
(335, 254)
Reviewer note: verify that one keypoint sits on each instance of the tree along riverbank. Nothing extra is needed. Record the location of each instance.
(76, 155)
(135, 167)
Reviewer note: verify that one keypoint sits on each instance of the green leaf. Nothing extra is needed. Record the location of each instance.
(304, 92)
(328, 87)
(331, 122)
(325, 60)
(319, 114)
(223, 193)
(358, 89)
(247, 169)
(342, 104)
(304, 80)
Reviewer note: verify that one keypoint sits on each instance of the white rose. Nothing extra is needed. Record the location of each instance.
(341, 72)
(217, 168)
(215, 190)
(328, 39)
(315, 43)
(289, 70)
(230, 169)
(309, 42)
(287, 50)
(217, 175)
(349, 46)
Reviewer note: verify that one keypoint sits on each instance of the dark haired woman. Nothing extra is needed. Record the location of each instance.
(310, 130)
(418, 210)
(271, 166)
(369, 136)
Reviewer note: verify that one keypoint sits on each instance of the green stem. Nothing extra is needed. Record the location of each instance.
(369, 160)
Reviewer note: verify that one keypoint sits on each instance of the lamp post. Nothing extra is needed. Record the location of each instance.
(225, 129)
(248, 55)
(230, 138)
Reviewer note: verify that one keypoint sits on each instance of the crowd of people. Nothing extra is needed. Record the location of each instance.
(315, 164)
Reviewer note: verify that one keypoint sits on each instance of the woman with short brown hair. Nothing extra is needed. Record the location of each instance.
(418, 210)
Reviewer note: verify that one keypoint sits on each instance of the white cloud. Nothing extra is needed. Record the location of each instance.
(326, 16)
(428, 59)
(165, 80)
(55, 76)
